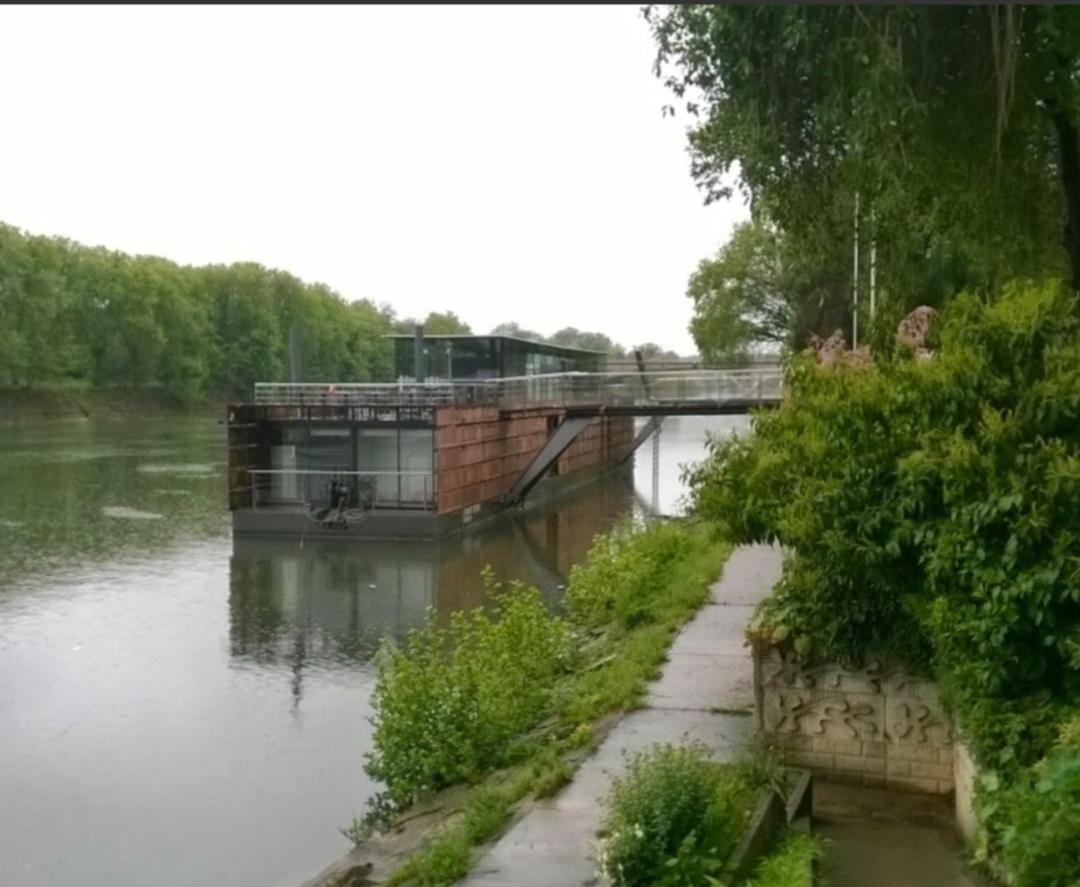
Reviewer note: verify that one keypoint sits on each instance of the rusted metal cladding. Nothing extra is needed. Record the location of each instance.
(481, 451)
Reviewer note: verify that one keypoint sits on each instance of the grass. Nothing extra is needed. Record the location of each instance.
(486, 812)
(443, 860)
(790, 862)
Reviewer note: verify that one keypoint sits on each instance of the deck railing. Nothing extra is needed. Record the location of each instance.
(349, 490)
(760, 385)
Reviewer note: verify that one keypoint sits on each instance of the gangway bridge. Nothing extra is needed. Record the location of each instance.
(578, 397)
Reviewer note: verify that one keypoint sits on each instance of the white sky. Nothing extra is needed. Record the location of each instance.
(507, 163)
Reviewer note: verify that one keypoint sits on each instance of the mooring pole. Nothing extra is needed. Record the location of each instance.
(656, 471)
(418, 352)
(873, 263)
(855, 282)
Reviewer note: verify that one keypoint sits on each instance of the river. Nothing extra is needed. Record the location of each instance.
(181, 708)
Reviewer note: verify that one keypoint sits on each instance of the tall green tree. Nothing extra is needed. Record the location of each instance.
(760, 290)
(517, 331)
(956, 126)
(571, 337)
(445, 323)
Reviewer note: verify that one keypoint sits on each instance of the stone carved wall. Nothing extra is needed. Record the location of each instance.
(874, 724)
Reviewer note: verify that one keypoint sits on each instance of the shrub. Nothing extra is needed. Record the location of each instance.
(790, 863)
(1042, 839)
(449, 703)
(444, 860)
(930, 504)
(625, 572)
(485, 814)
(674, 817)
(931, 511)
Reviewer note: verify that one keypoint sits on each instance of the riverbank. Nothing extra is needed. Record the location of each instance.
(26, 405)
(636, 614)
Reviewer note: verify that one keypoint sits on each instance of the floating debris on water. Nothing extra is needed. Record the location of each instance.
(122, 511)
(190, 469)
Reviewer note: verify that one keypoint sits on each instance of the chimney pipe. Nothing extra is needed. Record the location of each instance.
(418, 352)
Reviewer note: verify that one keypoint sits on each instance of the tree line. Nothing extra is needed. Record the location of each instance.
(72, 315)
(77, 315)
(448, 323)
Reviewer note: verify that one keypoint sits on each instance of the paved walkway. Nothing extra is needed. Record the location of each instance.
(709, 672)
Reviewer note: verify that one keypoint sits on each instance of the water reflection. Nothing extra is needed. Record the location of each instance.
(306, 606)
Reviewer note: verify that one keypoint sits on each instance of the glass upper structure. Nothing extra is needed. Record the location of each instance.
(488, 357)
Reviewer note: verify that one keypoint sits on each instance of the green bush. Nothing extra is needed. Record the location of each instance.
(930, 505)
(931, 510)
(790, 863)
(1042, 840)
(449, 703)
(444, 860)
(485, 814)
(675, 816)
(625, 573)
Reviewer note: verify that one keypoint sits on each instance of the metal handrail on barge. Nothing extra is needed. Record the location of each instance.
(541, 390)
(273, 487)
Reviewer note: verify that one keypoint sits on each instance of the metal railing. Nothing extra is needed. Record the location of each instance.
(349, 490)
(552, 390)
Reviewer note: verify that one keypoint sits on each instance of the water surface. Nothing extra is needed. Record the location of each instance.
(179, 708)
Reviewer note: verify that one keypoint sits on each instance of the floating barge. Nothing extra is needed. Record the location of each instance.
(419, 459)
(411, 459)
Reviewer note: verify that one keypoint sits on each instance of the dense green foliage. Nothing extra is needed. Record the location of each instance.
(790, 863)
(572, 337)
(517, 331)
(75, 315)
(952, 128)
(437, 323)
(449, 702)
(626, 575)
(758, 290)
(1040, 842)
(674, 817)
(930, 507)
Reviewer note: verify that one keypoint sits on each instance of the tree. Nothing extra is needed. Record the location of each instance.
(955, 125)
(516, 331)
(571, 337)
(758, 290)
(445, 323)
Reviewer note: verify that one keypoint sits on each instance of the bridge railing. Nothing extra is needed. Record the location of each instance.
(635, 389)
(754, 385)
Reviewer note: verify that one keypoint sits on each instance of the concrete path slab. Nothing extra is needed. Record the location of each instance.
(703, 682)
(709, 673)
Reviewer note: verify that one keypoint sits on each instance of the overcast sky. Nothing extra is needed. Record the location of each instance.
(504, 163)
